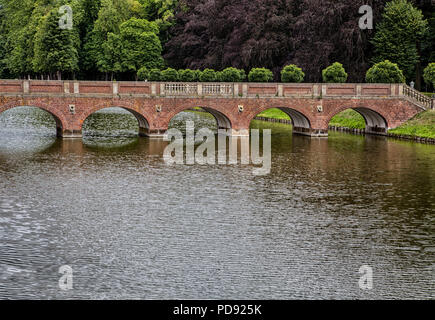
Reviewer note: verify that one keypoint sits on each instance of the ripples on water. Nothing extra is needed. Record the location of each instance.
(132, 227)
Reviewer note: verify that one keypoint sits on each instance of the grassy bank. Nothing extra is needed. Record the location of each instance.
(423, 125)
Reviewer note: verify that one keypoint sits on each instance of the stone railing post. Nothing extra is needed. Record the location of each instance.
(358, 90)
(199, 88)
(76, 87)
(245, 89)
(115, 87)
(324, 91)
(400, 93)
(162, 89)
(26, 86)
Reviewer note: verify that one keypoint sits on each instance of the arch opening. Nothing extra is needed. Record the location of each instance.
(115, 122)
(360, 118)
(202, 117)
(32, 116)
(300, 123)
(375, 123)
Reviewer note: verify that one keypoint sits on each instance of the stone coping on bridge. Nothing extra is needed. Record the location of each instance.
(198, 89)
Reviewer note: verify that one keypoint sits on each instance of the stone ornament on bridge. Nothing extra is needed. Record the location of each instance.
(241, 108)
(158, 108)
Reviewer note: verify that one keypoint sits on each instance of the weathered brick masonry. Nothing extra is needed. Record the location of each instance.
(311, 106)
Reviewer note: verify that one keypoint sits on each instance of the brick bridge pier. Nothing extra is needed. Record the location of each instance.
(234, 105)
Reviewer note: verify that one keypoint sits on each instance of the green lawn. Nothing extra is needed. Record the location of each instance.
(422, 125)
(348, 119)
(274, 114)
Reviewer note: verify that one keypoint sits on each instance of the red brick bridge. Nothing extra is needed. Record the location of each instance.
(234, 105)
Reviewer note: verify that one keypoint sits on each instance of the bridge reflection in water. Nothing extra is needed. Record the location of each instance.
(132, 227)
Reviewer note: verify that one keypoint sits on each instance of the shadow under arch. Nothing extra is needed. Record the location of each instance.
(301, 124)
(141, 120)
(58, 118)
(224, 125)
(375, 122)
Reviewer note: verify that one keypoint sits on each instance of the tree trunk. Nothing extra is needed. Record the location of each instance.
(418, 71)
(59, 75)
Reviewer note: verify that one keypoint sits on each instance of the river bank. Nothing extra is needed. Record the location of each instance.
(421, 128)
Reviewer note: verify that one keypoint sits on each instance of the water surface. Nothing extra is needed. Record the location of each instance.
(132, 227)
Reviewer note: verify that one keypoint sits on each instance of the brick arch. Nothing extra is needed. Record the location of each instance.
(223, 120)
(299, 115)
(134, 108)
(376, 120)
(59, 117)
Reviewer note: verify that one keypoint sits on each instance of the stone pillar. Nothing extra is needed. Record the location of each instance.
(115, 88)
(162, 89)
(400, 93)
(66, 87)
(316, 90)
(358, 90)
(199, 89)
(236, 89)
(153, 89)
(245, 89)
(280, 90)
(26, 86)
(324, 91)
(76, 88)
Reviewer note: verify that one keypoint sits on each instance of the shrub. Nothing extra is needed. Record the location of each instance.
(232, 75)
(188, 75)
(218, 76)
(208, 75)
(170, 75)
(260, 75)
(242, 75)
(143, 74)
(385, 72)
(292, 73)
(197, 74)
(335, 73)
(155, 75)
(429, 74)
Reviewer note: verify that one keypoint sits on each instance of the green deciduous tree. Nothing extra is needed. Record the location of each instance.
(260, 75)
(56, 49)
(335, 73)
(429, 74)
(292, 73)
(398, 36)
(385, 72)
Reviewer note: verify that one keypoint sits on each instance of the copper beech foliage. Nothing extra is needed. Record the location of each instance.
(272, 33)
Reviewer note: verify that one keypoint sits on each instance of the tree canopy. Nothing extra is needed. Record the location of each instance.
(116, 38)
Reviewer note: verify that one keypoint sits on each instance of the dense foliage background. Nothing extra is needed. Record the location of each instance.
(114, 39)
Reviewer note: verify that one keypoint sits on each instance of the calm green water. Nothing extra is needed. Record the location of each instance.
(132, 227)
